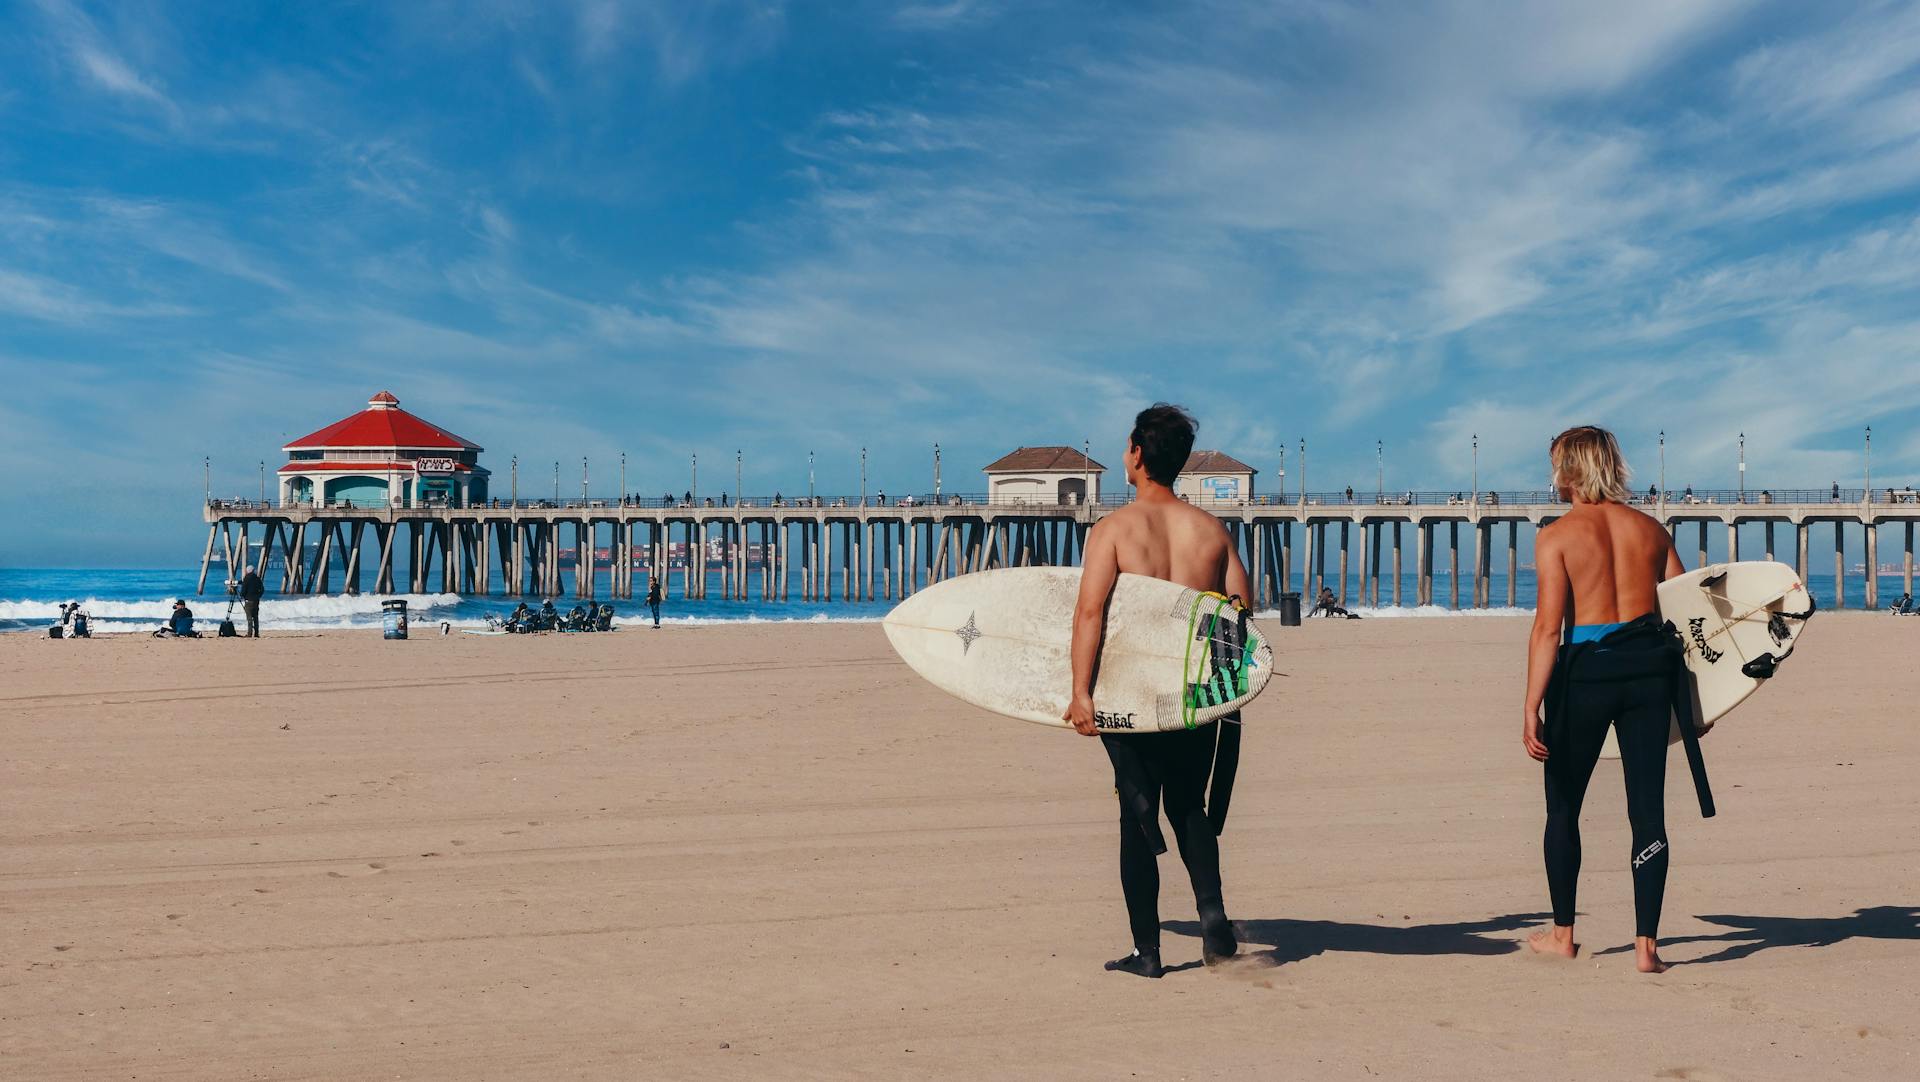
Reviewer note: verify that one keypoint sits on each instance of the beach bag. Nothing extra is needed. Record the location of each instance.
(227, 630)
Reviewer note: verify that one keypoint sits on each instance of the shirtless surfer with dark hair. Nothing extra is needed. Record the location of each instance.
(1161, 536)
(1599, 656)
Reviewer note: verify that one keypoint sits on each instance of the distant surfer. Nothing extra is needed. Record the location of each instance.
(1599, 655)
(1161, 536)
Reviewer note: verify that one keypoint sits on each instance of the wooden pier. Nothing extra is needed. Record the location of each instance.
(841, 550)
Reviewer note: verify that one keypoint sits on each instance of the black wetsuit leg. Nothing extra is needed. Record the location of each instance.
(1642, 723)
(1573, 747)
(1172, 766)
(1639, 710)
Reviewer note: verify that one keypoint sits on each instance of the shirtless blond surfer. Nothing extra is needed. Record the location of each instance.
(1161, 536)
(1596, 658)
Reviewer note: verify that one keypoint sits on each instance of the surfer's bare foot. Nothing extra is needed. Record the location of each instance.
(1646, 955)
(1556, 941)
(1140, 963)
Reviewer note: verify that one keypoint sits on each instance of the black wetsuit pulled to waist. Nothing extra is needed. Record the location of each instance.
(1640, 648)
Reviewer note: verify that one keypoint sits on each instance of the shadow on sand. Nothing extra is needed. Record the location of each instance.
(1293, 940)
(1751, 935)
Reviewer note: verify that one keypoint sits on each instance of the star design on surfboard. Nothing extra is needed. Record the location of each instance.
(967, 634)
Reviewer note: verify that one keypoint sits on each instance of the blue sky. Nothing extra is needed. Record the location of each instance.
(581, 228)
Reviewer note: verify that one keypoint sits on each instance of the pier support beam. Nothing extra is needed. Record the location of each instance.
(1906, 571)
(1346, 544)
(213, 531)
(1513, 564)
(1422, 563)
(1396, 565)
(1453, 557)
(1839, 565)
(1873, 563)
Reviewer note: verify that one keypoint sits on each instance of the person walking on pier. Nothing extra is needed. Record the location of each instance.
(251, 590)
(1600, 656)
(654, 597)
(1160, 535)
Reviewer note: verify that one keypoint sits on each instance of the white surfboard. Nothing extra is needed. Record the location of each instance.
(1001, 640)
(1728, 615)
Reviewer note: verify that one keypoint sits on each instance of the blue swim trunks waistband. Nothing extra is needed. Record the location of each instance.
(1592, 632)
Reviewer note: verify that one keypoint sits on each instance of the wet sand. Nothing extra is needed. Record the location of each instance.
(773, 852)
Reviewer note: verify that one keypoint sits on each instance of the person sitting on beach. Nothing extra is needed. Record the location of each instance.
(1328, 605)
(1160, 536)
(180, 623)
(1598, 569)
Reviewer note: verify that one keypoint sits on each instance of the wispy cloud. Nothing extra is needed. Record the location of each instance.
(945, 14)
(90, 55)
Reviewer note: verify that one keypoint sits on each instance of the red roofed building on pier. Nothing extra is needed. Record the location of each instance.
(383, 456)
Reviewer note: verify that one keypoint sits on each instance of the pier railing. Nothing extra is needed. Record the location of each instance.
(1337, 498)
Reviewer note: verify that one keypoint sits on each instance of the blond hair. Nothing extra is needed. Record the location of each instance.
(1587, 461)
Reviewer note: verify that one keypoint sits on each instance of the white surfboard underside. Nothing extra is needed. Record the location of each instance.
(1001, 640)
(1724, 613)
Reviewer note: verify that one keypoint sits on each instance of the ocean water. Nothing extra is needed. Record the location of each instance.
(130, 601)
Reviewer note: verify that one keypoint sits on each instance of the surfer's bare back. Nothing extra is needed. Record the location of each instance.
(1161, 536)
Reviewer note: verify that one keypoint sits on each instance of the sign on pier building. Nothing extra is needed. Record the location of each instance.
(383, 456)
(1214, 476)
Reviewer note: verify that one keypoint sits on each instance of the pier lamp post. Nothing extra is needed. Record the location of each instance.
(809, 476)
(263, 480)
(1663, 472)
(1867, 492)
(513, 492)
(556, 481)
(863, 476)
(1379, 471)
(206, 475)
(737, 467)
(936, 473)
(623, 478)
(1476, 467)
(1303, 471)
(583, 478)
(1282, 494)
(1743, 467)
(1086, 472)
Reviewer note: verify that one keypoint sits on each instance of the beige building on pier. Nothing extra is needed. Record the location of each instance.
(1049, 475)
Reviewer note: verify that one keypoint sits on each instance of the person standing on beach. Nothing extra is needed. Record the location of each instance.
(251, 591)
(654, 597)
(1599, 655)
(1161, 536)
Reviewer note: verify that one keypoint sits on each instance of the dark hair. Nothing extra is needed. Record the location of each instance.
(1164, 434)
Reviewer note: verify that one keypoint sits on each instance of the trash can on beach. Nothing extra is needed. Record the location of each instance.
(1289, 610)
(393, 614)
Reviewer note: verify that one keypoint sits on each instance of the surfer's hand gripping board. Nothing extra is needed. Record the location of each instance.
(1171, 657)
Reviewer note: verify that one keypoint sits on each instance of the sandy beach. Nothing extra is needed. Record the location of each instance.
(772, 851)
